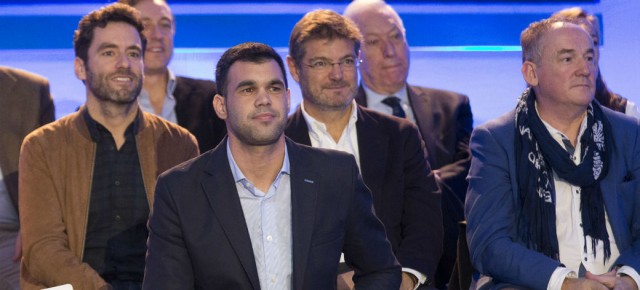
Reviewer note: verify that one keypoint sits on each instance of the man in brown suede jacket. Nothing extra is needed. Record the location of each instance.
(87, 180)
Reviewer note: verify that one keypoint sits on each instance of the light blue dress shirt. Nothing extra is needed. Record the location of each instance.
(168, 107)
(268, 218)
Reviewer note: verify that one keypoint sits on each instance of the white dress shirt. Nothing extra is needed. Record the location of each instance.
(571, 240)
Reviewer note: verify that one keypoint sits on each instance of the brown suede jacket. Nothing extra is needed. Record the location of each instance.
(56, 167)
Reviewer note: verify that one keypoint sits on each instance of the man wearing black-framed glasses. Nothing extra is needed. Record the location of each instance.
(323, 59)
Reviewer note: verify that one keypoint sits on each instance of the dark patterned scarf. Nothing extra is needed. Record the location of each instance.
(538, 155)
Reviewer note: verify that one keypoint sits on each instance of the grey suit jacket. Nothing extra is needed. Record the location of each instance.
(25, 104)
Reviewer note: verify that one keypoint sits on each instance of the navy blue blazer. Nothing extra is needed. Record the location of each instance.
(199, 239)
(194, 111)
(405, 194)
(492, 204)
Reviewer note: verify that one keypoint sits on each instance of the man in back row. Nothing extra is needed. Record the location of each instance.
(181, 100)
(323, 59)
(87, 180)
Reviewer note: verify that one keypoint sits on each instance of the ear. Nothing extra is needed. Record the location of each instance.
(288, 100)
(529, 73)
(220, 106)
(293, 69)
(79, 69)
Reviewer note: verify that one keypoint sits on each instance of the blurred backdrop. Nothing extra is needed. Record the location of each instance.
(471, 47)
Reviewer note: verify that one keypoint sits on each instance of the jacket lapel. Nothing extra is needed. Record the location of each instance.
(223, 197)
(423, 111)
(373, 145)
(297, 128)
(304, 190)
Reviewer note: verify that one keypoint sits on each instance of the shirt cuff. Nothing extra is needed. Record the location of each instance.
(421, 277)
(558, 276)
(629, 272)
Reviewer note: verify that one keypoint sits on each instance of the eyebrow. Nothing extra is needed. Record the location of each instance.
(326, 58)
(247, 83)
(276, 82)
(107, 45)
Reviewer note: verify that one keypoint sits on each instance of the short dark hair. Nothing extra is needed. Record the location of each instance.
(250, 52)
(322, 24)
(115, 12)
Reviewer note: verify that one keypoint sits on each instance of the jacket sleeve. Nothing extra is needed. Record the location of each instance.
(492, 216)
(168, 264)
(453, 175)
(630, 201)
(47, 259)
(47, 108)
(421, 242)
(366, 248)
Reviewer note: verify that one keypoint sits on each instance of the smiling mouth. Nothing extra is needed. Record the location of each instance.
(122, 79)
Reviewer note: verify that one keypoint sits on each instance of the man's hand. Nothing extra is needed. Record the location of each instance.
(345, 281)
(408, 281)
(582, 284)
(611, 281)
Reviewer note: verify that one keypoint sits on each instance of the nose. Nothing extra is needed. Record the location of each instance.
(586, 67)
(152, 32)
(336, 71)
(123, 61)
(263, 99)
(389, 50)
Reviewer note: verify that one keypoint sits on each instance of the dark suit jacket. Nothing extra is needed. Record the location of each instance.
(194, 111)
(493, 203)
(405, 194)
(445, 122)
(25, 105)
(199, 238)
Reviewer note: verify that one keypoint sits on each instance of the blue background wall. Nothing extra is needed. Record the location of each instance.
(466, 46)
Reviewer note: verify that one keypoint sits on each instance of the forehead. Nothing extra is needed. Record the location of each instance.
(378, 20)
(266, 71)
(565, 37)
(154, 9)
(328, 48)
(117, 33)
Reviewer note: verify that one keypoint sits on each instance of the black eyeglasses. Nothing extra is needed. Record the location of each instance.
(323, 65)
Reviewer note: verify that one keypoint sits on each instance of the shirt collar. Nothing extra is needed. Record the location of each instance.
(238, 176)
(317, 127)
(171, 84)
(374, 98)
(557, 135)
(96, 129)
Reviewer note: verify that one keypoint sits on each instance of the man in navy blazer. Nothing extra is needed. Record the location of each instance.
(259, 211)
(323, 53)
(554, 196)
(443, 117)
